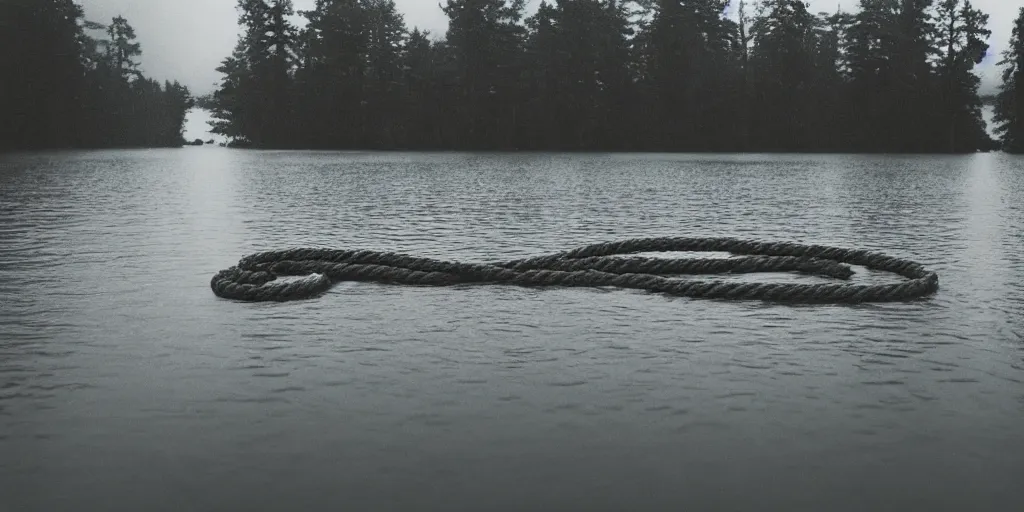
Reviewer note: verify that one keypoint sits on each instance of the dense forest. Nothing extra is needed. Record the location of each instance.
(68, 83)
(674, 75)
(678, 75)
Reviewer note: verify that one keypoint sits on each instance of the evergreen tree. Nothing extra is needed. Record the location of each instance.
(797, 78)
(174, 105)
(579, 74)
(485, 40)
(421, 97)
(125, 108)
(383, 113)
(350, 81)
(228, 105)
(891, 79)
(332, 73)
(1009, 108)
(542, 79)
(783, 64)
(43, 82)
(961, 43)
(689, 92)
(827, 101)
(743, 78)
(258, 75)
(122, 49)
(114, 109)
(64, 88)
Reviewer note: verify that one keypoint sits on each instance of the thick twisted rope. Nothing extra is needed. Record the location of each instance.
(255, 276)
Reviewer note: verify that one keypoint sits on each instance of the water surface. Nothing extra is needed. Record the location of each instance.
(126, 385)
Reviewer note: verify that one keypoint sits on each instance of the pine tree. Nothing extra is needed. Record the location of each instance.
(829, 113)
(421, 100)
(961, 43)
(122, 49)
(382, 112)
(1009, 108)
(331, 78)
(579, 76)
(486, 41)
(228, 105)
(123, 89)
(690, 93)
(783, 63)
(42, 82)
(61, 87)
(543, 79)
(892, 85)
(255, 99)
(744, 117)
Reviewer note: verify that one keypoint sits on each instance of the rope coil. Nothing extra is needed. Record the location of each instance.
(255, 277)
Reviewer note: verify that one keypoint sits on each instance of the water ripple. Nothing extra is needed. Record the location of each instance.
(111, 342)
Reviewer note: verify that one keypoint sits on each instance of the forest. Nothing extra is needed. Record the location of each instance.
(654, 75)
(72, 83)
(606, 75)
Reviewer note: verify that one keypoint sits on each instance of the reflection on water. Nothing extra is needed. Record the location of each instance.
(126, 385)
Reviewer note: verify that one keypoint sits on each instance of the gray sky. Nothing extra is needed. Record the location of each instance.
(187, 39)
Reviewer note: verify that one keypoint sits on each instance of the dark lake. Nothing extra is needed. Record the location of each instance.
(125, 384)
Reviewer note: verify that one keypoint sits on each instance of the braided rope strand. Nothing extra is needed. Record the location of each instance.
(255, 277)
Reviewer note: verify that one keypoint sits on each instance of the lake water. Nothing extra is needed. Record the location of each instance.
(125, 384)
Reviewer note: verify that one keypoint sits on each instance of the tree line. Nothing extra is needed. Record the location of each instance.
(677, 75)
(68, 82)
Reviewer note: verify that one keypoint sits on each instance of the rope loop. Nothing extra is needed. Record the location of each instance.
(255, 277)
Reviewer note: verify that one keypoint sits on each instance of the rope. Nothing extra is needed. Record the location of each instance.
(255, 276)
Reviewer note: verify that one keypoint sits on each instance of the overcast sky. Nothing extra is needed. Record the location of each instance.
(187, 39)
